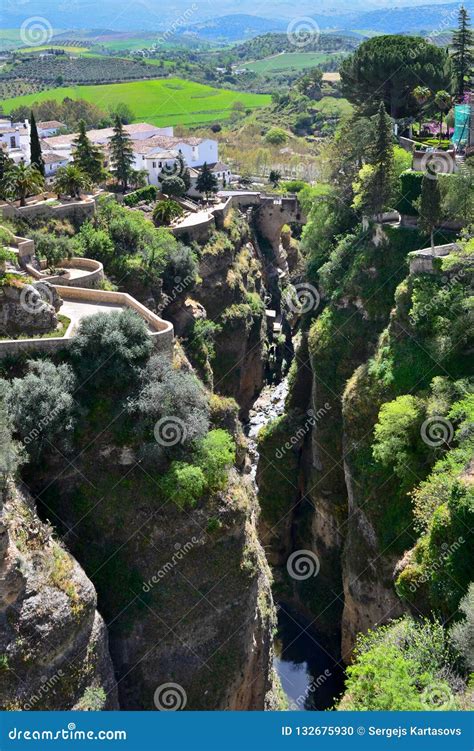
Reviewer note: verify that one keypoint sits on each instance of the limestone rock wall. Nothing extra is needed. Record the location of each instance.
(53, 642)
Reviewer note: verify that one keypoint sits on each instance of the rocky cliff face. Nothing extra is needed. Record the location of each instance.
(53, 642)
(186, 594)
(28, 308)
(321, 495)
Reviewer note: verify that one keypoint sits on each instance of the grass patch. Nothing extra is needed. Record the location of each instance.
(172, 101)
(288, 61)
(59, 332)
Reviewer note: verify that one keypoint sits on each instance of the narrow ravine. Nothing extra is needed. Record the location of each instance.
(311, 678)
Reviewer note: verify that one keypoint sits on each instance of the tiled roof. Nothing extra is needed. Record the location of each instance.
(219, 167)
(102, 133)
(51, 158)
(48, 124)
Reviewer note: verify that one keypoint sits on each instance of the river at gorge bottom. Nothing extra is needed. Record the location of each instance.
(311, 678)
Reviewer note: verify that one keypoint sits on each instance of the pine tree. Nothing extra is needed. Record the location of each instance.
(87, 156)
(36, 157)
(463, 55)
(207, 182)
(429, 203)
(121, 153)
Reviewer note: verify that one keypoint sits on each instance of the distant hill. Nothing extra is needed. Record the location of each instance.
(431, 19)
(235, 28)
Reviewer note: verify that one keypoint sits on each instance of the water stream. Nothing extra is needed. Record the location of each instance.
(310, 677)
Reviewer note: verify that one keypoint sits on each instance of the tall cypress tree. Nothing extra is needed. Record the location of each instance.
(121, 153)
(87, 156)
(36, 157)
(381, 158)
(463, 55)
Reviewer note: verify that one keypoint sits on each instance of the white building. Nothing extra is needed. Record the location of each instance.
(52, 162)
(49, 128)
(154, 150)
(15, 140)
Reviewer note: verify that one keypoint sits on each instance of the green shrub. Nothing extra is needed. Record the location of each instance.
(215, 454)
(397, 443)
(410, 191)
(173, 396)
(184, 484)
(108, 350)
(41, 405)
(403, 666)
(276, 136)
(92, 700)
(462, 633)
(180, 269)
(294, 186)
(143, 194)
(94, 243)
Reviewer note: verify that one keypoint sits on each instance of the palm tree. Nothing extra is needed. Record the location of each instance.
(22, 180)
(421, 94)
(165, 211)
(443, 101)
(71, 180)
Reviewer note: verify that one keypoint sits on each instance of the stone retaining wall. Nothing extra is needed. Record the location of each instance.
(421, 261)
(75, 210)
(93, 273)
(162, 331)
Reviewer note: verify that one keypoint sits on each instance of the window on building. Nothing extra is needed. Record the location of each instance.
(154, 165)
(12, 142)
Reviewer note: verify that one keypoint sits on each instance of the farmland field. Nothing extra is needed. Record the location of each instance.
(288, 61)
(171, 101)
(64, 48)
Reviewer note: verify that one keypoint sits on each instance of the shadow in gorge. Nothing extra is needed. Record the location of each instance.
(311, 678)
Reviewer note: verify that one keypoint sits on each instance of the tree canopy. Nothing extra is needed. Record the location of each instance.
(388, 68)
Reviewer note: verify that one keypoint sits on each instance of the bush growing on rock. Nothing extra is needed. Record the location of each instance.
(41, 405)
(181, 268)
(184, 484)
(214, 455)
(403, 666)
(174, 400)
(108, 350)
